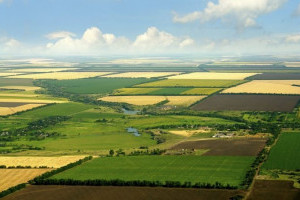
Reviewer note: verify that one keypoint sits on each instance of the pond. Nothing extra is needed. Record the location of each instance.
(134, 131)
(130, 112)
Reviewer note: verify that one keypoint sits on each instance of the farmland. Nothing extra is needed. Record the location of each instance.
(31, 70)
(12, 110)
(248, 102)
(191, 83)
(224, 169)
(225, 147)
(267, 87)
(141, 74)
(12, 177)
(49, 192)
(276, 76)
(32, 161)
(284, 155)
(212, 75)
(61, 75)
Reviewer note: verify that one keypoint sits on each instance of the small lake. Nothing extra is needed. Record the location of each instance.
(134, 131)
(130, 112)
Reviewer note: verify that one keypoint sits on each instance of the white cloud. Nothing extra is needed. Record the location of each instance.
(295, 38)
(59, 34)
(243, 13)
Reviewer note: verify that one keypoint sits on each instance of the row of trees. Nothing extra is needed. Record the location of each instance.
(12, 189)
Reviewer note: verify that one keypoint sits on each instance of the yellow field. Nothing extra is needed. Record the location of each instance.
(13, 177)
(52, 162)
(241, 63)
(142, 74)
(183, 100)
(130, 91)
(12, 110)
(202, 91)
(150, 100)
(292, 64)
(213, 75)
(188, 133)
(41, 69)
(267, 87)
(31, 100)
(26, 88)
(8, 74)
(135, 100)
(62, 75)
(17, 95)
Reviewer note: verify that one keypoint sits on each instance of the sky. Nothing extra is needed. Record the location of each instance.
(149, 27)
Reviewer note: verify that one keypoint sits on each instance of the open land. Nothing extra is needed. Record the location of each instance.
(276, 76)
(205, 169)
(142, 74)
(34, 70)
(225, 147)
(267, 87)
(249, 103)
(12, 110)
(213, 75)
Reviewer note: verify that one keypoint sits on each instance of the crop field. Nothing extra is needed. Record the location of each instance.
(132, 91)
(26, 88)
(95, 85)
(205, 169)
(169, 91)
(285, 154)
(276, 76)
(12, 110)
(292, 64)
(187, 133)
(213, 75)
(142, 74)
(135, 100)
(12, 177)
(274, 190)
(61, 75)
(8, 74)
(14, 82)
(249, 103)
(267, 87)
(191, 83)
(204, 91)
(59, 192)
(225, 147)
(33, 161)
(30, 100)
(44, 69)
(150, 100)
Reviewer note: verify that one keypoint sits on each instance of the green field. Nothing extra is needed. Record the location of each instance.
(15, 82)
(206, 169)
(286, 153)
(191, 83)
(169, 91)
(133, 91)
(201, 91)
(95, 85)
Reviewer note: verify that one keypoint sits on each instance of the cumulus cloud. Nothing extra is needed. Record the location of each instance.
(59, 34)
(93, 41)
(242, 13)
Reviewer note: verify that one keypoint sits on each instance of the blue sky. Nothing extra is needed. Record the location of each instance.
(174, 26)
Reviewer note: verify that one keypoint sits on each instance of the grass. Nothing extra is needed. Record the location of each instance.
(191, 83)
(285, 154)
(207, 169)
(95, 85)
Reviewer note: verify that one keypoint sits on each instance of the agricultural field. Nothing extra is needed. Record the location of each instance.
(213, 75)
(205, 169)
(44, 69)
(36, 162)
(9, 110)
(225, 147)
(8, 74)
(150, 100)
(94, 85)
(60, 192)
(25, 88)
(12, 177)
(61, 75)
(203, 91)
(142, 74)
(191, 83)
(292, 64)
(285, 154)
(248, 103)
(15, 82)
(276, 76)
(267, 87)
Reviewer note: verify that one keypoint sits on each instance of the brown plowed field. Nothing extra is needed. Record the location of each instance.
(274, 190)
(11, 104)
(276, 76)
(118, 193)
(225, 147)
(281, 103)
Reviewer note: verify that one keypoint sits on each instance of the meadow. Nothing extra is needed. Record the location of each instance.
(208, 169)
(285, 154)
